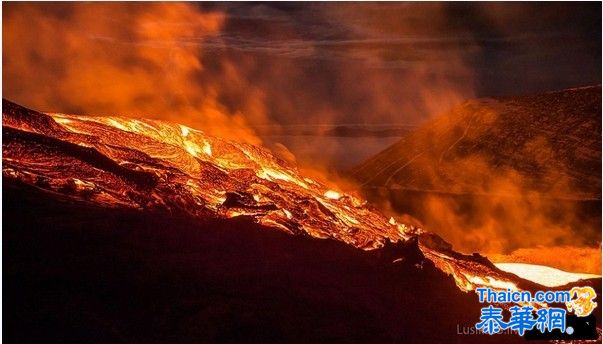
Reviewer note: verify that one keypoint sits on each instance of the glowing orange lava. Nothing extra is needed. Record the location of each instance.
(154, 165)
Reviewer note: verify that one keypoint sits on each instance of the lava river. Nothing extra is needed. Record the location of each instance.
(152, 165)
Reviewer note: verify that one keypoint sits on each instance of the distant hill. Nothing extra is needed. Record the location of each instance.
(498, 174)
(549, 143)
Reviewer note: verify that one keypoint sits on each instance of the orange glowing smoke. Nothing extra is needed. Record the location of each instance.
(498, 175)
(170, 61)
(117, 57)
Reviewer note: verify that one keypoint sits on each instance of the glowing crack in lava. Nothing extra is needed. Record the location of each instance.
(153, 165)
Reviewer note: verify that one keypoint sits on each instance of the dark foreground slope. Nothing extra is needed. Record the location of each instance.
(76, 273)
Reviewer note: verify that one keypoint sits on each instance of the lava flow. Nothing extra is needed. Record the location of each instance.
(153, 165)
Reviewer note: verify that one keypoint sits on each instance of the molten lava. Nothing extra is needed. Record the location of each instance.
(544, 275)
(153, 165)
(148, 164)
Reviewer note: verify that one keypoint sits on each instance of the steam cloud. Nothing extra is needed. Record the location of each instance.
(212, 68)
(125, 59)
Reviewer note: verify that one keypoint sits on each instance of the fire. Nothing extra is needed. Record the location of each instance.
(332, 194)
(273, 174)
(184, 130)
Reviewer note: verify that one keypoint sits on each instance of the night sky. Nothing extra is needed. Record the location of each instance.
(514, 48)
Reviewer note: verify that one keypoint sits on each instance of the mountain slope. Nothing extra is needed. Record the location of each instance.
(549, 143)
(501, 174)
